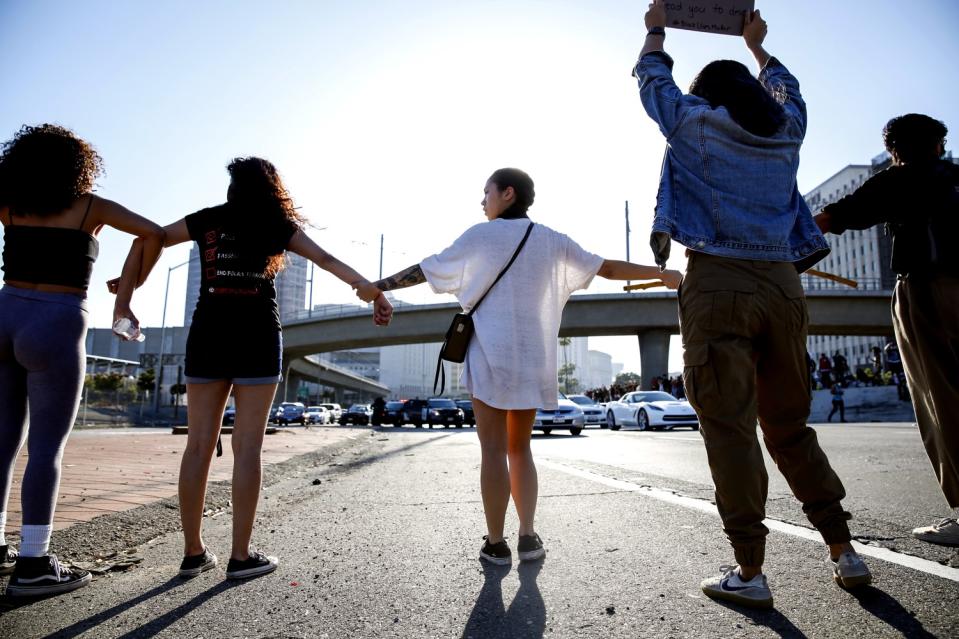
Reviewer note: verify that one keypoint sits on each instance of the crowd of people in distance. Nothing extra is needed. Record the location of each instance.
(883, 369)
(672, 385)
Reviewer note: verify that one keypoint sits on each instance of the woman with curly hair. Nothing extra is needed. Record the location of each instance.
(235, 342)
(51, 221)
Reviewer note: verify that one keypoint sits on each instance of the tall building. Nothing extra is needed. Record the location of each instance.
(290, 286)
(192, 285)
(858, 255)
(600, 371)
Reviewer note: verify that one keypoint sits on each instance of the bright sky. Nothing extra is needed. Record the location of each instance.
(387, 117)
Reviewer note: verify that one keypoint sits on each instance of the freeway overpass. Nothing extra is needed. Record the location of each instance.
(652, 317)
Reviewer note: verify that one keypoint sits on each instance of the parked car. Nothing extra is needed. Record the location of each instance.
(440, 410)
(317, 415)
(290, 412)
(335, 411)
(357, 414)
(650, 410)
(568, 416)
(229, 415)
(466, 405)
(393, 413)
(413, 412)
(594, 413)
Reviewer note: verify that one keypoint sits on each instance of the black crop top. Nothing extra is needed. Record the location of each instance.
(49, 255)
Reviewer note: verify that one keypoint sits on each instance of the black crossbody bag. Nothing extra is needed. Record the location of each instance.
(460, 332)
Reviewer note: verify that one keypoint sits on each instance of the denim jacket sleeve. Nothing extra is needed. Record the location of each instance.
(784, 87)
(663, 100)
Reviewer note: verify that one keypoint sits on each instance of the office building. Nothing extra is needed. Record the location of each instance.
(291, 286)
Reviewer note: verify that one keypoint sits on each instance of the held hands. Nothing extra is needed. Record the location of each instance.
(754, 30)
(656, 15)
(366, 291)
(671, 279)
(382, 311)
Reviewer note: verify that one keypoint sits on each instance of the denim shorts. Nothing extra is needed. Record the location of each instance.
(236, 381)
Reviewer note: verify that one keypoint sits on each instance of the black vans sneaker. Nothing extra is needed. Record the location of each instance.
(530, 548)
(8, 559)
(39, 576)
(253, 566)
(497, 553)
(193, 565)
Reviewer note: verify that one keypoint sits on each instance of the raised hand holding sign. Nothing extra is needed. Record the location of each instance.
(724, 17)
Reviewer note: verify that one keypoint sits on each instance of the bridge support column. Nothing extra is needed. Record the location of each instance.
(283, 390)
(653, 354)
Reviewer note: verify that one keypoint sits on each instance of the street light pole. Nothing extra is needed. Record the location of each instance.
(159, 373)
(627, 236)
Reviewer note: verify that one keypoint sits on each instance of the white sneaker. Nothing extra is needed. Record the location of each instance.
(730, 586)
(945, 532)
(850, 570)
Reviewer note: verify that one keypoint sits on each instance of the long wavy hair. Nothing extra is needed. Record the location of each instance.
(263, 209)
(727, 83)
(44, 169)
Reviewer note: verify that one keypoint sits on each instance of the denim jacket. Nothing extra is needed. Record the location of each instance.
(723, 190)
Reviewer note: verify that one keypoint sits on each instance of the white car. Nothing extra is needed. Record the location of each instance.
(317, 415)
(650, 409)
(567, 416)
(335, 411)
(593, 412)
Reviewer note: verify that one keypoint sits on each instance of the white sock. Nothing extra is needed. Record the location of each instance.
(35, 540)
(3, 528)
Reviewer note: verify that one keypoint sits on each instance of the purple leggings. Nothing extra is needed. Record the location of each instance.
(42, 363)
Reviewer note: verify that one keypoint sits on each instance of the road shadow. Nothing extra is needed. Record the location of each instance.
(92, 621)
(526, 615)
(153, 628)
(524, 619)
(488, 614)
(886, 608)
(770, 618)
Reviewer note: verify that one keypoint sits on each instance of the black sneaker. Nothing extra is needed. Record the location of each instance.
(195, 564)
(254, 565)
(497, 553)
(38, 576)
(530, 548)
(8, 559)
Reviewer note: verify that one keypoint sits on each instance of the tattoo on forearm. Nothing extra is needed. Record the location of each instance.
(405, 278)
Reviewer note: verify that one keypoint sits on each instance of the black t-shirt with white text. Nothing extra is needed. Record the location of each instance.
(232, 278)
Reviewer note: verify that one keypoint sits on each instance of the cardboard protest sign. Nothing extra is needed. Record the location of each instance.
(712, 16)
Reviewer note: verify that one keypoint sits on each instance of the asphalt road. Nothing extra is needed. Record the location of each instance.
(386, 546)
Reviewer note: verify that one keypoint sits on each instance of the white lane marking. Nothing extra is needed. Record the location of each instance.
(900, 559)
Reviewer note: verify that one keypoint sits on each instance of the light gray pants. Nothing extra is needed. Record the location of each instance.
(42, 363)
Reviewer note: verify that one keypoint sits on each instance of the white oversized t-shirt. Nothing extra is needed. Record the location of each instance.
(511, 362)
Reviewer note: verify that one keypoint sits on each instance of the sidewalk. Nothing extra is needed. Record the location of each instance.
(111, 470)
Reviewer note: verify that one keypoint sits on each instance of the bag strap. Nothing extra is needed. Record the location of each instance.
(440, 371)
(439, 378)
(529, 229)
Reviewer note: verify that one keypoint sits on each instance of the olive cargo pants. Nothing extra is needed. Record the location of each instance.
(744, 325)
(925, 315)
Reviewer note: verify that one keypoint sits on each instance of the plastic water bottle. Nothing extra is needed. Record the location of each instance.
(125, 329)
